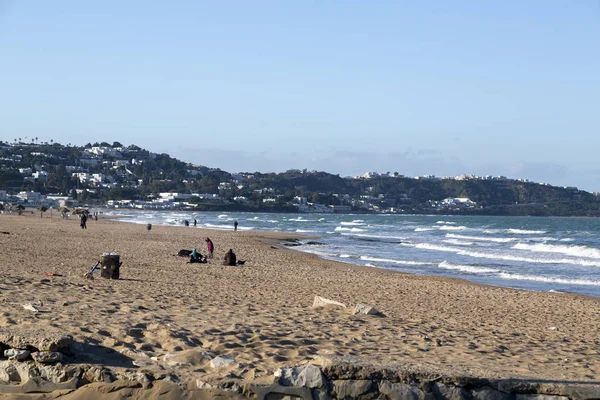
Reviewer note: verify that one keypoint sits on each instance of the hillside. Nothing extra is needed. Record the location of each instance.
(102, 173)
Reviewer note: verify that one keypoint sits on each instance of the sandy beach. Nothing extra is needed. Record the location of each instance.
(261, 314)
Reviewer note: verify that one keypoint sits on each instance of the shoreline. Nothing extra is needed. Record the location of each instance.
(303, 236)
(260, 314)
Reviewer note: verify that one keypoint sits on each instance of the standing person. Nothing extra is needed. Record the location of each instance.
(235, 224)
(194, 222)
(83, 221)
(210, 247)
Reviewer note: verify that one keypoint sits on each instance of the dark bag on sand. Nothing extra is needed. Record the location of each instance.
(109, 266)
(184, 253)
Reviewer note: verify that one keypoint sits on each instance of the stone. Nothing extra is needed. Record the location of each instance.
(144, 379)
(487, 393)
(322, 394)
(572, 390)
(400, 391)
(27, 371)
(39, 385)
(59, 373)
(185, 358)
(222, 361)
(323, 302)
(39, 339)
(136, 353)
(449, 392)
(47, 357)
(351, 388)
(309, 376)
(31, 307)
(203, 385)
(171, 379)
(16, 354)
(8, 372)
(365, 309)
(229, 386)
(143, 363)
(97, 374)
(264, 392)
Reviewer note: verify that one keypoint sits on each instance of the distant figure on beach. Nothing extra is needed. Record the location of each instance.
(235, 224)
(210, 247)
(96, 217)
(230, 258)
(149, 227)
(195, 222)
(186, 222)
(83, 222)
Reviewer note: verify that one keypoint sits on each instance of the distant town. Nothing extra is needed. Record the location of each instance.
(116, 176)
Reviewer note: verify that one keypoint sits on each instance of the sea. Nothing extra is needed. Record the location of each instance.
(531, 253)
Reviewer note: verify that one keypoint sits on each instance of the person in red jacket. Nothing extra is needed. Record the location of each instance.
(210, 246)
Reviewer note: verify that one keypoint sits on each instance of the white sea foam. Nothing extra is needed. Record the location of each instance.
(453, 228)
(341, 228)
(356, 222)
(222, 227)
(300, 219)
(366, 235)
(223, 216)
(542, 239)
(349, 256)
(399, 262)
(525, 232)
(458, 242)
(549, 279)
(481, 238)
(468, 268)
(424, 229)
(304, 231)
(506, 257)
(576, 251)
(494, 231)
(446, 222)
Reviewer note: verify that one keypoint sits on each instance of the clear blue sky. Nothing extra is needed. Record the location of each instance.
(437, 87)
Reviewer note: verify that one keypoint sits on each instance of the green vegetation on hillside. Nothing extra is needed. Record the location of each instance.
(114, 172)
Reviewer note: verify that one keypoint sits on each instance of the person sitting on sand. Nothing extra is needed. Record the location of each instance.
(230, 258)
(196, 257)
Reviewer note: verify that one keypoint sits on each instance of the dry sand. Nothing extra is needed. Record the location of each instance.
(261, 313)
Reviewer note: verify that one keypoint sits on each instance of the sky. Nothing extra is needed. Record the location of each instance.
(420, 88)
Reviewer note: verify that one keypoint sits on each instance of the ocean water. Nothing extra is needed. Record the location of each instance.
(533, 253)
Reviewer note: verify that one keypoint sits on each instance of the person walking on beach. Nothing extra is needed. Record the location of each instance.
(83, 223)
(195, 222)
(230, 258)
(210, 247)
(235, 224)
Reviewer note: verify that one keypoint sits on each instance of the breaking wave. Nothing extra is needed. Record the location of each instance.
(576, 251)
